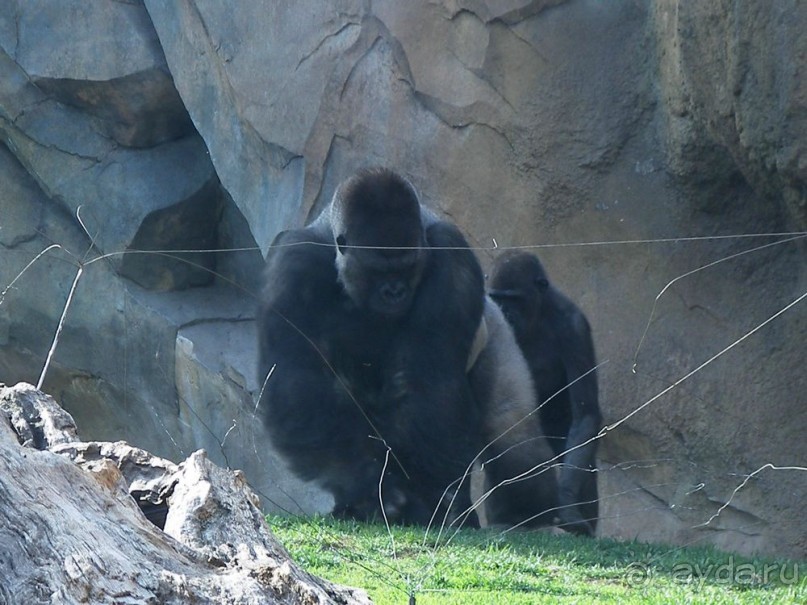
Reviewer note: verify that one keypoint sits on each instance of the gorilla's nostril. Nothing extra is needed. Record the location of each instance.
(393, 292)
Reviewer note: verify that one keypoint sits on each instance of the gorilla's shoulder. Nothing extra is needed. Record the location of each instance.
(305, 254)
(441, 233)
(570, 317)
(305, 240)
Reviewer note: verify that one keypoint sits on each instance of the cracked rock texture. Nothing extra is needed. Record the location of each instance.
(73, 528)
(188, 125)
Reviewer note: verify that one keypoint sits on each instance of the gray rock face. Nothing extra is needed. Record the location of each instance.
(677, 129)
(734, 83)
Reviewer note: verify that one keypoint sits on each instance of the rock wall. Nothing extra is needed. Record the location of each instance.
(634, 144)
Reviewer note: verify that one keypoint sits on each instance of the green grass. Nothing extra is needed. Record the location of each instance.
(482, 567)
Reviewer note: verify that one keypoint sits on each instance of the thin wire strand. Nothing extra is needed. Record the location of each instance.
(687, 274)
(59, 328)
(494, 246)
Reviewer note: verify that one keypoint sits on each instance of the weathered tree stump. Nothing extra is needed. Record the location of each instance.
(71, 530)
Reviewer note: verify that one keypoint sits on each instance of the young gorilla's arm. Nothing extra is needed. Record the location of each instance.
(578, 475)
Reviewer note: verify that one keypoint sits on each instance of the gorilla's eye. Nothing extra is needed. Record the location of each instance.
(341, 242)
(542, 283)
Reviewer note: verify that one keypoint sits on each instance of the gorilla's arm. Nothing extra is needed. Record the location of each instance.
(577, 476)
(453, 293)
(429, 381)
(311, 418)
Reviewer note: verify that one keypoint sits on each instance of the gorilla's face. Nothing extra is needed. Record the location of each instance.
(383, 281)
(380, 243)
(518, 285)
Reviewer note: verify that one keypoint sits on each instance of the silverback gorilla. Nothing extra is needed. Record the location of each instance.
(522, 490)
(370, 317)
(556, 340)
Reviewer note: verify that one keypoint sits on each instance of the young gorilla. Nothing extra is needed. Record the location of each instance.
(556, 340)
(368, 325)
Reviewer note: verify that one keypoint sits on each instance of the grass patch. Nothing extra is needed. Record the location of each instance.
(482, 567)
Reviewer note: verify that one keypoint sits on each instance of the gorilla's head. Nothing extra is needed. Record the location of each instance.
(377, 227)
(518, 284)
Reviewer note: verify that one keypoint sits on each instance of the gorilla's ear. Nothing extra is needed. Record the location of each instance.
(542, 283)
(341, 242)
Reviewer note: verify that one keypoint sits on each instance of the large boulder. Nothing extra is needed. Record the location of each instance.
(650, 152)
(98, 103)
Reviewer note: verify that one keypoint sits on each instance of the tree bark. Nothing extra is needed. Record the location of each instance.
(72, 532)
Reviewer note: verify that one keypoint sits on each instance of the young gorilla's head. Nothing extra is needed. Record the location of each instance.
(518, 284)
(377, 227)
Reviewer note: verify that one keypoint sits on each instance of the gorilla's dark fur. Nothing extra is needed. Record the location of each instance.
(372, 317)
(369, 327)
(556, 340)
